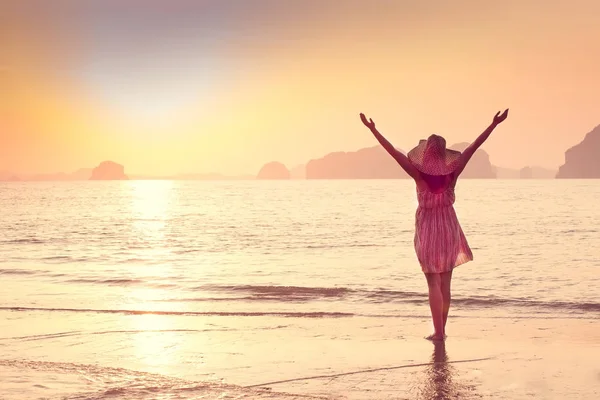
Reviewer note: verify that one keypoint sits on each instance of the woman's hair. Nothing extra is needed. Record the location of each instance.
(436, 182)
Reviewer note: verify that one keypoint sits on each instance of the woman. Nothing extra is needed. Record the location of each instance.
(440, 243)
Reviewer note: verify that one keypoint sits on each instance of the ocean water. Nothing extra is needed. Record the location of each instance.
(129, 289)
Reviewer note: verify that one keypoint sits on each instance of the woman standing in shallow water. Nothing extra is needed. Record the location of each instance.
(440, 243)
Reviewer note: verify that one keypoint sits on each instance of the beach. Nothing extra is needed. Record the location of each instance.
(345, 358)
(292, 290)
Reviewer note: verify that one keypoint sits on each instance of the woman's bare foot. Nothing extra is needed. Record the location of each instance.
(435, 337)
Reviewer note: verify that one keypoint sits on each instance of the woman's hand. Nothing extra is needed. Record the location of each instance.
(398, 156)
(498, 118)
(369, 124)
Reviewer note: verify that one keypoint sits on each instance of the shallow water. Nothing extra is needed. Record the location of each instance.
(95, 272)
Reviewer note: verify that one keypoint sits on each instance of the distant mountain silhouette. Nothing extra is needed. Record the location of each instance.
(273, 170)
(6, 176)
(479, 167)
(526, 173)
(542, 173)
(506, 173)
(376, 163)
(108, 170)
(368, 163)
(523, 173)
(82, 174)
(583, 160)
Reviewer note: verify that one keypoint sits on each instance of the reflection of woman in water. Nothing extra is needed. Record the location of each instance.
(440, 382)
(439, 240)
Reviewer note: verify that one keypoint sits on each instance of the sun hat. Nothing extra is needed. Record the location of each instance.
(431, 156)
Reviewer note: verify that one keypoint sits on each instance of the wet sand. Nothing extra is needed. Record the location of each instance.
(345, 358)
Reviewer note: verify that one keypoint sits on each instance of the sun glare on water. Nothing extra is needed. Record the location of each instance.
(155, 341)
(151, 208)
(151, 203)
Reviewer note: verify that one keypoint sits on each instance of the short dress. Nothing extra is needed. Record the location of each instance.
(440, 243)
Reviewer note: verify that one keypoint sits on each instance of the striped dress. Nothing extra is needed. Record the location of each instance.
(439, 240)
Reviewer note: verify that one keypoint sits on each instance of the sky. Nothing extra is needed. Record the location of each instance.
(228, 85)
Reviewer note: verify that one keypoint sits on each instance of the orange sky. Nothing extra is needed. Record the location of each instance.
(214, 86)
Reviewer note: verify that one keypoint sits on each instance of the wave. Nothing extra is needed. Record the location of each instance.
(553, 305)
(383, 296)
(132, 331)
(305, 294)
(110, 282)
(331, 246)
(123, 282)
(63, 259)
(280, 291)
(292, 314)
(580, 231)
(86, 333)
(17, 271)
(121, 383)
(187, 391)
(23, 241)
(286, 314)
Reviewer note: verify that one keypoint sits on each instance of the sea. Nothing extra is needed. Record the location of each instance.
(165, 289)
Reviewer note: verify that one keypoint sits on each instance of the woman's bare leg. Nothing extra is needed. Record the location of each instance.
(446, 278)
(436, 304)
